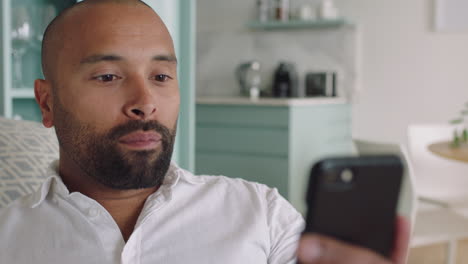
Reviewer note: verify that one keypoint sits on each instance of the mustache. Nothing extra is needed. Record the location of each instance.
(135, 125)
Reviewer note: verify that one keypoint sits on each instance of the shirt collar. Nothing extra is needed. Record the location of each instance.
(54, 184)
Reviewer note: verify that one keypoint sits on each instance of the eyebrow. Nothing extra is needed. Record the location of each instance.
(100, 57)
(167, 58)
(111, 57)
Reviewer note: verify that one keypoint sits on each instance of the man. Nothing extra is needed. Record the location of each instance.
(111, 92)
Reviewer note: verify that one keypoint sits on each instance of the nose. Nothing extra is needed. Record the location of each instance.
(141, 103)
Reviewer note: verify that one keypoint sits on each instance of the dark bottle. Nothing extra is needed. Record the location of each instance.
(282, 83)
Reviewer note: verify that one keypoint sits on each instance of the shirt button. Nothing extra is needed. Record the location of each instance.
(93, 212)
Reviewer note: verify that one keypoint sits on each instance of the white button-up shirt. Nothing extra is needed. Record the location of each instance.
(190, 219)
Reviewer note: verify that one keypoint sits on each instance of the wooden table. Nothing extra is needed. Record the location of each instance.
(441, 238)
(445, 149)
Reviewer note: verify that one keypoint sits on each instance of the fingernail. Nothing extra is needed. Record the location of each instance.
(309, 250)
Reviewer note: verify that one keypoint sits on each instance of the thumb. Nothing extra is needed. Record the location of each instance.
(309, 249)
(321, 249)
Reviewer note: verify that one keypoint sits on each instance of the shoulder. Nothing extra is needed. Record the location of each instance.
(233, 184)
(15, 216)
(258, 194)
(20, 204)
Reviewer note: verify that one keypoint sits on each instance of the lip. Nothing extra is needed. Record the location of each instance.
(141, 140)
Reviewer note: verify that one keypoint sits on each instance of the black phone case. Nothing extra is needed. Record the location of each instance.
(362, 211)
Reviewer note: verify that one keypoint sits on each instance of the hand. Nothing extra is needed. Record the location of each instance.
(316, 249)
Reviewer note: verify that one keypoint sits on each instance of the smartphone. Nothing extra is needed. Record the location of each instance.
(354, 199)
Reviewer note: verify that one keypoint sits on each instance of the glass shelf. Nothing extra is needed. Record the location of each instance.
(298, 24)
(22, 93)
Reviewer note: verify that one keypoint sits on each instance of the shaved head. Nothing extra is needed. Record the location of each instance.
(111, 92)
(58, 29)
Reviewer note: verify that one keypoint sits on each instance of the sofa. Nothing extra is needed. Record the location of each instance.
(27, 149)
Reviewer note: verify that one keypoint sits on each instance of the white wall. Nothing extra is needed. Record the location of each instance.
(409, 73)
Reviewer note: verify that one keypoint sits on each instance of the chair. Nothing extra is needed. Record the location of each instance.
(26, 151)
(407, 201)
(437, 178)
(433, 226)
(445, 183)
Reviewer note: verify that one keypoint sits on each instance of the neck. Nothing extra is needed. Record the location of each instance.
(123, 205)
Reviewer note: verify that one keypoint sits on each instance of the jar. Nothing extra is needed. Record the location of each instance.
(282, 10)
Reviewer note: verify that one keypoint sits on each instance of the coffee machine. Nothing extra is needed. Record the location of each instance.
(285, 81)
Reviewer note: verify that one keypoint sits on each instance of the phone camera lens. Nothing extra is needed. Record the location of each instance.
(346, 176)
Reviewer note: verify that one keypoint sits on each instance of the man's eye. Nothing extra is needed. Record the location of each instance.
(161, 77)
(106, 78)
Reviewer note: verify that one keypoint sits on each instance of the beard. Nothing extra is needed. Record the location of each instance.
(100, 157)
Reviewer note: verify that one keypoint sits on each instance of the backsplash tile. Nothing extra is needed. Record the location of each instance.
(225, 43)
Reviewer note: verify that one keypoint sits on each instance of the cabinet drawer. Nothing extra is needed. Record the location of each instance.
(321, 115)
(263, 116)
(331, 112)
(333, 133)
(262, 141)
(267, 170)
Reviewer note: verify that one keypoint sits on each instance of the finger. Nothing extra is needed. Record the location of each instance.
(402, 237)
(309, 249)
(318, 249)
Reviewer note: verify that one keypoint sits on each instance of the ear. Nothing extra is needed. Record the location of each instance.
(43, 94)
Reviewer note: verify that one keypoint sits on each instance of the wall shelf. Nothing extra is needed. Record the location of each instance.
(298, 24)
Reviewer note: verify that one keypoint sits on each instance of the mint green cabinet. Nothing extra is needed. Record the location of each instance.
(271, 142)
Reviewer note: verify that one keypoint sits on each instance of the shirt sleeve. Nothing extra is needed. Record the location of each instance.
(285, 225)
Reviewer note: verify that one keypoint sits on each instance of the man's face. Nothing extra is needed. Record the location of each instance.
(116, 96)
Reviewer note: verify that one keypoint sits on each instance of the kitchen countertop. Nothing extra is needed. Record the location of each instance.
(270, 101)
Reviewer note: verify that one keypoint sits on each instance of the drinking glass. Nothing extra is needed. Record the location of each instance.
(21, 36)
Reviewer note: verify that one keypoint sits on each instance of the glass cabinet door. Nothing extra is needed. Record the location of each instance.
(23, 25)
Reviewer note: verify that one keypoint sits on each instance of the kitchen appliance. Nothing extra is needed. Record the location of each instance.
(320, 84)
(285, 81)
(282, 10)
(263, 10)
(306, 12)
(327, 10)
(249, 78)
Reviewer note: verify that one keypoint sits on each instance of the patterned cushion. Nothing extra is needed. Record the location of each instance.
(26, 151)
